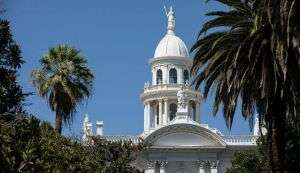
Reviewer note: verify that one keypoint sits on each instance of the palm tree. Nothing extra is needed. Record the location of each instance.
(243, 57)
(64, 80)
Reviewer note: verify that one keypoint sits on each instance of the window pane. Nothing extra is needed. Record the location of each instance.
(186, 75)
(173, 110)
(159, 76)
(173, 75)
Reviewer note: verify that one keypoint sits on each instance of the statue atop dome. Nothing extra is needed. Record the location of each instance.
(171, 20)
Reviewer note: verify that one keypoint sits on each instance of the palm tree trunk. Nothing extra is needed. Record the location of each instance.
(58, 122)
(276, 137)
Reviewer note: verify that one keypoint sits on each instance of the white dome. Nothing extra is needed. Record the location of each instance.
(171, 45)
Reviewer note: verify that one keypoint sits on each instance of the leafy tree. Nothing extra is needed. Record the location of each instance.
(28, 145)
(115, 156)
(64, 80)
(19, 143)
(255, 160)
(11, 95)
(251, 161)
(253, 53)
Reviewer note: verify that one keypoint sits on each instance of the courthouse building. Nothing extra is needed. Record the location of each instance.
(179, 142)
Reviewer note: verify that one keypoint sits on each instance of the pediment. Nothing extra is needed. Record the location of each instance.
(184, 135)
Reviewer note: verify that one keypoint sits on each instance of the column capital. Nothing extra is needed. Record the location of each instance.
(151, 164)
(201, 163)
(213, 164)
(163, 164)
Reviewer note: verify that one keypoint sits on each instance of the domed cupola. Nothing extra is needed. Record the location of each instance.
(171, 45)
(170, 68)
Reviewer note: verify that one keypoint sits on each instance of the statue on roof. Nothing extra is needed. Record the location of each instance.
(182, 98)
(171, 20)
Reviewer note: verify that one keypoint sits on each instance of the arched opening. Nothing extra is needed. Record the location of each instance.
(173, 75)
(193, 110)
(173, 110)
(186, 76)
(159, 76)
(157, 114)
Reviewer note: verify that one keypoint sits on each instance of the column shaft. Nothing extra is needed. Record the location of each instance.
(166, 117)
(180, 76)
(150, 170)
(160, 112)
(165, 76)
(150, 167)
(153, 77)
(213, 170)
(147, 118)
(201, 166)
(214, 166)
(162, 168)
(201, 170)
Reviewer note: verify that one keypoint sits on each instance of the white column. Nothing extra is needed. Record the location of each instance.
(165, 76)
(150, 167)
(180, 75)
(153, 77)
(163, 165)
(213, 166)
(146, 116)
(160, 112)
(165, 119)
(201, 165)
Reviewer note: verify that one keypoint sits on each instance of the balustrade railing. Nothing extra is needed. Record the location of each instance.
(149, 86)
(240, 139)
(118, 138)
(231, 140)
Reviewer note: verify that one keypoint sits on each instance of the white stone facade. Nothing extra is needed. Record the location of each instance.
(178, 141)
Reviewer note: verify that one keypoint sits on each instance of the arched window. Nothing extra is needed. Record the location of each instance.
(173, 110)
(173, 75)
(159, 76)
(186, 76)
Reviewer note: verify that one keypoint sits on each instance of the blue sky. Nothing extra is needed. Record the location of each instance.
(118, 38)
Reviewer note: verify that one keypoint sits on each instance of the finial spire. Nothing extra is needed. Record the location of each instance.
(171, 20)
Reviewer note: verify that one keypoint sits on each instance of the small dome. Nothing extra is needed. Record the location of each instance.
(171, 45)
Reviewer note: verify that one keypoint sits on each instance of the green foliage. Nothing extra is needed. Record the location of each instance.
(28, 145)
(256, 160)
(246, 162)
(11, 95)
(252, 54)
(64, 80)
(251, 161)
(116, 156)
(293, 147)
